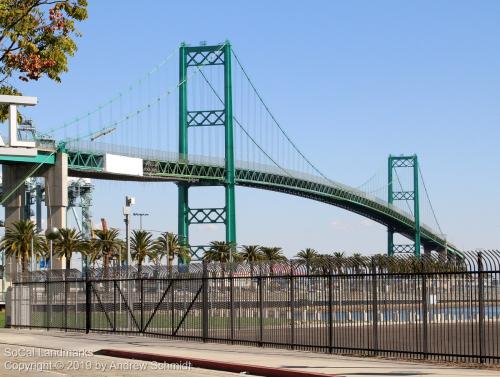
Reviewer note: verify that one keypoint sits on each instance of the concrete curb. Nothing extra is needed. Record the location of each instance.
(212, 364)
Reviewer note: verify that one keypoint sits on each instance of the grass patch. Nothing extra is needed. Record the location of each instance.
(2, 319)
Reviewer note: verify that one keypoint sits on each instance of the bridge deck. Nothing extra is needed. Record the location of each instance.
(88, 161)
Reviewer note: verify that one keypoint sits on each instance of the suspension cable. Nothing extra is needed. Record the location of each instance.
(276, 121)
(114, 98)
(241, 126)
(429, 200)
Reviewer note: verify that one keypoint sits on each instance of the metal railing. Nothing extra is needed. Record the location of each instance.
(428, 308)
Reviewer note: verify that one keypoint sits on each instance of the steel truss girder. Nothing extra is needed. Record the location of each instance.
(211, 56)
(403, 195)
(404, 249)
(183, 169)
(206, 118)
(85, 160)
(207, 216)
(328, 193)
(402, 162)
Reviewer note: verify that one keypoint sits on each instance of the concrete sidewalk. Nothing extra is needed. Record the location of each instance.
(295, 360)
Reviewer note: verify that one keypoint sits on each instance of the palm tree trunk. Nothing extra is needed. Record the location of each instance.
(106, 261)
(170, 262)
(24, 262)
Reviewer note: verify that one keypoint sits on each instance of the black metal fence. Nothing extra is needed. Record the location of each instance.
(428, 308)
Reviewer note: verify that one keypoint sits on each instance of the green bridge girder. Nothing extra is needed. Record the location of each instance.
(91, 165)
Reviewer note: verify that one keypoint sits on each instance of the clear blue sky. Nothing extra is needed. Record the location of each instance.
(351, 81)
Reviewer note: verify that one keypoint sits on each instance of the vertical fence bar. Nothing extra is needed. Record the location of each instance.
(374, 308)
(425, 314)
(330, 312)
(141, 284)
(114, 305)
(47, 300)
(292, 306)
(30, 285)
(66, 291)
(231, 300)
(261, 310)
(88, 309)
(172, 298)
(480, 283)
(205, 302)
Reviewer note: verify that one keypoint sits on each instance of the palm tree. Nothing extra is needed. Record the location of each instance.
(251, 254)
(219, 251)
(142, 245)
(67, 243)
(19, 240)
(357, 261)
(338, 261)
(107, 244)
(273, 254)
(324, 263)
(91, 252)
(184, 253)
(167, 244)
(307, 256)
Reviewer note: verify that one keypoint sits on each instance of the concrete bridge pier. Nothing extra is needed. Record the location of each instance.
(56, 196)
(12, 176)
(56, 199)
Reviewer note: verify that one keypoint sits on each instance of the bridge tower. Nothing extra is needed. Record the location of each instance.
(195, 57)
(404, 162)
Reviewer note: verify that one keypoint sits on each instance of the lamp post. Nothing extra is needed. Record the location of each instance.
(51, 234)
(140, 218)
(129, 201)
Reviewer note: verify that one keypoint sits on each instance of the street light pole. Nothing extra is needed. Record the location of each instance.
(51, 234)
(140, 218)
(129, 201)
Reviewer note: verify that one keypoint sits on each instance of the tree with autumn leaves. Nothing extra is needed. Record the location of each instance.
(36, 39)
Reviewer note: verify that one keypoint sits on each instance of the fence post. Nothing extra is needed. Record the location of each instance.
(142, 304)
(330, 311)
(374, 308)
(204, 301)
(231, 300)
(480, 283)
(292, 306)
(88, 309)
(172, 313)
(114, 305)
(66, 291)
(261, 310)
(425, 315)
(48, 311)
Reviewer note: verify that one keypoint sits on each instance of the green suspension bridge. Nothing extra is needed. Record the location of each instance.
(208, 110)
